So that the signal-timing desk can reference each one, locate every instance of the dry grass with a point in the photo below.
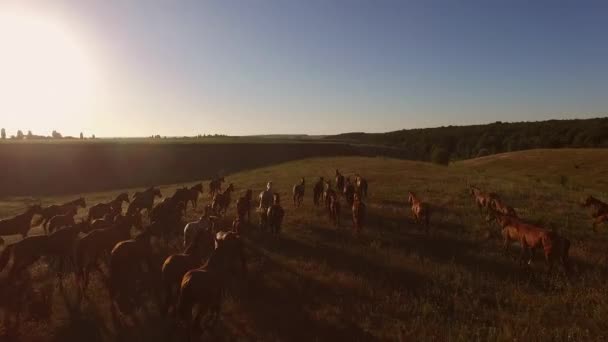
(392, 282)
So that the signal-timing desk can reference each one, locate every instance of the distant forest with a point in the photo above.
(443, 144)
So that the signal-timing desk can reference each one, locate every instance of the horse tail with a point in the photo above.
(5, 256)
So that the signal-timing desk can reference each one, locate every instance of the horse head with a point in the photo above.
(81, 202)
(157, 193)
(276, 198)
(411, 197)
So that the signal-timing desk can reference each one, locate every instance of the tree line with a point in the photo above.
(443, 144)
(31, 136)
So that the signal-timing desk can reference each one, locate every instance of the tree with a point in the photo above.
(3, 134)
(19, 134)
(30, 135)
(81, 136)
(93, 136)
(56, 135)
(440, 156)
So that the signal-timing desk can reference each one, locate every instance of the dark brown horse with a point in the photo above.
(243, 206)
(298, 193)
(60, 247)
(359, 213)
(339, 180)
(143, 200)
(275, 215)
(130, 262)
(114, 207)
(23, 253)
(192, 195)
(334, 210)
(349, 192)
(61, 209)
(19, 224)
(599, 220)
(64, 220)
(483, 199)
(203, 287)
(92, 246)
(176, 265)
(598, 208)
(221, 201)
(317, 191)
(168, 211)
(215, 186)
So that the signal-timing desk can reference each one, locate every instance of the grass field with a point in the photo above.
(393, 282)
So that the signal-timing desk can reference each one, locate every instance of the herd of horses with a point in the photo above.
(212, 260)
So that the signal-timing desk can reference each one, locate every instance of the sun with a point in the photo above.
(47, 79)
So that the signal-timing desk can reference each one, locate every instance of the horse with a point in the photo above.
(176, 265)
(361, 186)
(339, 180)
(221, 201)
(192, 195)
(266, 198)
(62, 209)
(21, 223)
(61, 244)
(99, 241)
(599, 208)
(532, 237)
(126, 271)
(334, 210)
(599, 220)
(143, 200)
(203, 286)
(59, 221)
(275, 215)
(298, 193)
(327, 193)
(215, 186)
(168, 210)
(359, 213)
(114, 207)
(206, 222)
(243, 206)
(420, 210)
(482, 199)
(24, 253)
(501, 207)
(349, 191)
(317, 191)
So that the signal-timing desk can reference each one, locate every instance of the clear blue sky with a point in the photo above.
(322, 67)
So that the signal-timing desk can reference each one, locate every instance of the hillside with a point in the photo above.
(392, 282)
(463, 142)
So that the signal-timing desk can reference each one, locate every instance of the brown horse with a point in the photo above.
(215, 186)
(599, 220)
(298, 193)
(203, 286)
(275, 215)
(483, 199)
(101, 241)
(114, 207)
(168, 210)
(598, 207)
(221, 201)
(361, 186)
(349, 192)
(176, 265)
(334, 210)
(19, 224)
(327, 193)
(317, 191)
(532, 237)
(143, 200)
(23, 253)
(127, 274)
(59, 221)
(192, 195)
(501, 207)
(359, 213)
(339, 180)
(61, 209)
(420, 210)
(243, 206)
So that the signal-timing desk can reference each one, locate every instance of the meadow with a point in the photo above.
(317, 282)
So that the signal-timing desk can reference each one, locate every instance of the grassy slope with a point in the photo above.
(322, 283)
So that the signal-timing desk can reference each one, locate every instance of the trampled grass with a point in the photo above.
(321, 283)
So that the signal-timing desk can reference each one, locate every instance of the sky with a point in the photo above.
(137, 68)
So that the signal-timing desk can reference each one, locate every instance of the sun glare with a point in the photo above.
(46, 77)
